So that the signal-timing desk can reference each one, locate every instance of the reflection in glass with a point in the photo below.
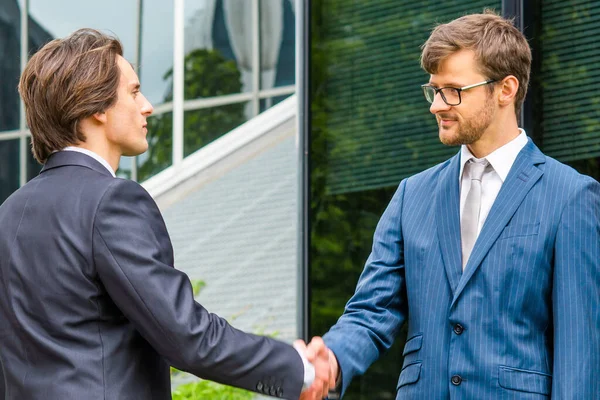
(205, 125)
(277, 43)
(226, 27)
(587, 166)
(9, 167)
(222, 28)
(124, 170)
(271, 101)
(61, 17)
(156, 50)
(209, 74)
(160, 146)
(10, 67)
(568, 79)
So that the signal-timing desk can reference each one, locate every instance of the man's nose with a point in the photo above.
(147, 108)
(438, 104)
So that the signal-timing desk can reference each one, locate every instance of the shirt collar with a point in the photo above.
(93, 155)
(501, 159)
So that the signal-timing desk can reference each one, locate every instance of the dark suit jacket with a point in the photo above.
(92, 308)
(521, 322)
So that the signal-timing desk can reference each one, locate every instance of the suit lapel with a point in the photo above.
(448, 220)
(521, 178)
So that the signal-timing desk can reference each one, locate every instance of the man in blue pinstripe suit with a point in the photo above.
(492, 257)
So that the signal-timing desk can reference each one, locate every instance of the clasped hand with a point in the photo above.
(326, 368)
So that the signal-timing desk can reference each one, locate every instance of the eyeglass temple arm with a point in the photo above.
(477, 84)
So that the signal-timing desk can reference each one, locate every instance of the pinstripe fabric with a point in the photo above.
(528, 300)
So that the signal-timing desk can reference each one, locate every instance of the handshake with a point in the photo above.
(326, 368)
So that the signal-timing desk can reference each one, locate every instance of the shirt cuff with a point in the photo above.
(309, 371)
(336, 392)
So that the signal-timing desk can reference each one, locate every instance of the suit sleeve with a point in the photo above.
(373, 316)
(134, 261)
(576, 297)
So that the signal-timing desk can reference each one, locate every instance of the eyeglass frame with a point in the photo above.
(458, 90)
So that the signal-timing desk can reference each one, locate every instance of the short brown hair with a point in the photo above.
(500, 48)
(66, 81)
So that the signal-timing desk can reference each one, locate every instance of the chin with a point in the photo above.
(450, 138)
(136, 150)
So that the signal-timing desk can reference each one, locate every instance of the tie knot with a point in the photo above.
(477, 168)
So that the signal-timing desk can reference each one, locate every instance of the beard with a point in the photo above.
(467, 131)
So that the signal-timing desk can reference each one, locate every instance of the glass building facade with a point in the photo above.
(207, 66)
(368, 126)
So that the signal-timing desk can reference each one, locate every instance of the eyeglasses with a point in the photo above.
(450, 95)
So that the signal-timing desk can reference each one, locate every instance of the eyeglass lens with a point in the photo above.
(450, 95)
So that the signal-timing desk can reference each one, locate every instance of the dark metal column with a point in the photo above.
(526, 14)
(303, 96)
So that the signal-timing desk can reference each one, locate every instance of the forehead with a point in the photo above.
(128, 75)
(459, 68)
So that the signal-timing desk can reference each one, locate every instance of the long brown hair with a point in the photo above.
(66, 81)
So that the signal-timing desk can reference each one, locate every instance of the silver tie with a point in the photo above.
(470, 217)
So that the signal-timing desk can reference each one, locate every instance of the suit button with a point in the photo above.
(259, 386)
(279, 392)
(458, 329)
(456, 380)
(272, 391)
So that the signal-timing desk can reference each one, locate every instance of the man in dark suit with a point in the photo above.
(492, 257)
(90, 304)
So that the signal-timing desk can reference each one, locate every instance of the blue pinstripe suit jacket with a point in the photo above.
(521, 322)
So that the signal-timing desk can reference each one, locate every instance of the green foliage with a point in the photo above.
(201, 390)
(197, 286)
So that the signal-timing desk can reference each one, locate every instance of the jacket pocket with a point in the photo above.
(413, 344)
(524, 380)
(409, 374)
(515, 230)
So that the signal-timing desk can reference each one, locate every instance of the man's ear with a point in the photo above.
(508, 90)
(100, 117)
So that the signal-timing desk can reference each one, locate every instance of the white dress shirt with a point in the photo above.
(501, 160)
(93, 155)
(309, 370)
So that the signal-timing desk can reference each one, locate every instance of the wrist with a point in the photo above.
(334, 367)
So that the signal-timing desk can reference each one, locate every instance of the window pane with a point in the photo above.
(10, 66)
(218, 47)
(271, 101)
(59, 18)
(203, 126)
(160, 146)
(9, 167)
(124, 170)
(277, 43)
(370, 127)
(570, 59)
(156, 64)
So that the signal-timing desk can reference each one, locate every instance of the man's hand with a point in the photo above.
(325, 373)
